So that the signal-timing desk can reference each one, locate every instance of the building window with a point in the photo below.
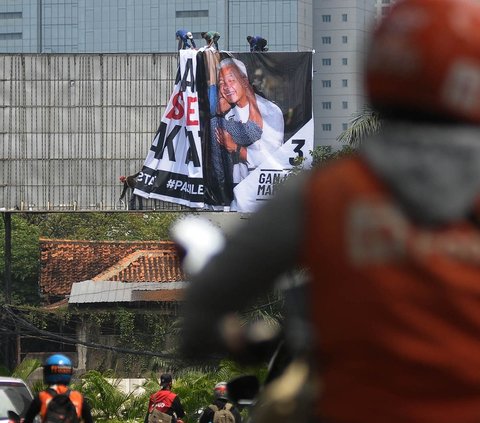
(326, 40)
(344, 126)
(326, 126)
(344, 82)
(344, 17)
(326, 83)
(326, 105)
(344, 104)
(326, 18)
(191, 14)
(326, 62)
(344, 61)
(10, 36)
(344, 39)
(11, 15)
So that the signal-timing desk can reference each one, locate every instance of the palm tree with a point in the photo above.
(363, 124)
(108, 401)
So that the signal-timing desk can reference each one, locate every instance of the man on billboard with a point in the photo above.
(260, 131)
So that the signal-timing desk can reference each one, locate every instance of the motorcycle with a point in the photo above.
(288, 392)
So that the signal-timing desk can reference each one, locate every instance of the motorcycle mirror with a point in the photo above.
(197, 241)
(243, 389)
(13, 417)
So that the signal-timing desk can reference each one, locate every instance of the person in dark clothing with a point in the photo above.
(211, 37)
(220, 401)
(57, 372)
(165, 400)
(257, 43)
(388, 235)
(129, 182)
(185, 39)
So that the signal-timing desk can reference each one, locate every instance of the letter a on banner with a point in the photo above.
(172, 170)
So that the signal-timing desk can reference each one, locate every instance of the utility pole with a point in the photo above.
(7, 220)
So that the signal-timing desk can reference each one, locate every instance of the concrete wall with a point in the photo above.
(71, 124)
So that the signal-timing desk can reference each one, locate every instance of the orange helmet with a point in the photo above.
(424, 59)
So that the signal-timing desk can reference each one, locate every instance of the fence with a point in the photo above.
(71, 124)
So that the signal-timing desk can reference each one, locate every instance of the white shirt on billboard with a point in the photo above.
(270, 141)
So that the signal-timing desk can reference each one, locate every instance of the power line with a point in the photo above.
(52, 336)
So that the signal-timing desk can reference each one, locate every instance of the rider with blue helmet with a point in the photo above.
(57, 374)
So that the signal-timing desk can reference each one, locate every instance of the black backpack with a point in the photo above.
(60, 409)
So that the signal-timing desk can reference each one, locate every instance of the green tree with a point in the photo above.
(106, 226)
(363, 124)
(323, 153)
(25, 260)
(108, 401)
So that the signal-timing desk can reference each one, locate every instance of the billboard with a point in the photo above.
(232, 130)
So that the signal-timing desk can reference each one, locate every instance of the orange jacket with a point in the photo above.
(396, 306)
(75, 396)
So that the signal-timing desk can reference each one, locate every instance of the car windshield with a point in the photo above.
(14, 397)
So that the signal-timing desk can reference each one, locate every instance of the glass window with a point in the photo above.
(344, 126)
(10, 36)
(326, 62)
(344, 104)
(344, 82)
(326, 40)
(326, 83)
(344, 17)
(191, 14)
(327, 126)
(14, 396)
(326, 105)
(11, 15)
(326, 18)
(344, 61)
(344, 39)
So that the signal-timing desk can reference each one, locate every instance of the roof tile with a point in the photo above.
(64, 262)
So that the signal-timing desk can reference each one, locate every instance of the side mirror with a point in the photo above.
(197, 241)
(243, 389)
(13, 417)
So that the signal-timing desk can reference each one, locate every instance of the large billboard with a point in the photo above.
(232, 130)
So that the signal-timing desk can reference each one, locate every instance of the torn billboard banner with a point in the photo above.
(232, 130)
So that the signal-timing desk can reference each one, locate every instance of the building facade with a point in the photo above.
(383, 6)
(335, 29)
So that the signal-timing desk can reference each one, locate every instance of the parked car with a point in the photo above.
(15, 396)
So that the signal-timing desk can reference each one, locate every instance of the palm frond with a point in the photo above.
(26, 368)
(363, 124)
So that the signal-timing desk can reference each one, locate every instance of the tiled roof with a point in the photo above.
(144, 266)
(64, 262)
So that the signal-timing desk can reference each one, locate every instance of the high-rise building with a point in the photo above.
(383, 6)
(335, 29)
(340, 40)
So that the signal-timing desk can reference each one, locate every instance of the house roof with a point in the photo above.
(115, 292)
(64, 262)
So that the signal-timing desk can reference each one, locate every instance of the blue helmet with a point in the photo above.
(57, 369)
